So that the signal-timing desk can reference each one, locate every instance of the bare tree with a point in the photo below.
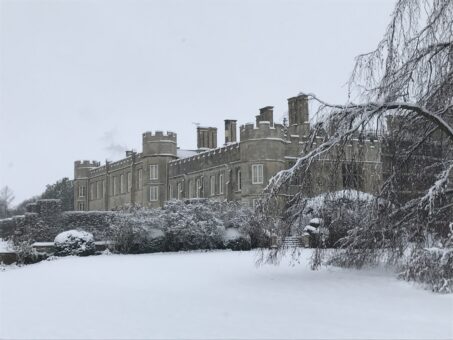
(403, 90)
(6, 198)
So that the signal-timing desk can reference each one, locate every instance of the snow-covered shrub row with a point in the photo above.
(180, 225)
(184, 225)
(33, 227)
(74, 242)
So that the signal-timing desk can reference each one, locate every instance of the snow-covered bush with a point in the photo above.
(26, 254)
(236, 240)
(334, 213)
(432, 267)
(74, 242)
(192, 225)
(138, 239)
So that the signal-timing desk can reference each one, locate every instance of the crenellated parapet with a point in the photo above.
(204, 160)
(83, 168)
(263, 130)
(159, 143)
(158, 135)
(358, 149)
(86, 164)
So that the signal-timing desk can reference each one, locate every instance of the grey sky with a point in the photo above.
(83, 79)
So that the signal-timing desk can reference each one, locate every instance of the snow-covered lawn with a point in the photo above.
(212, 295)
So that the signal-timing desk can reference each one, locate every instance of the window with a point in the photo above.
(170, 191)
(179, 190)
(212, 185)
(140, 179)
(99, 189)
(191, 189)
(153, 171)
(221, 184)
(81, 205)
(153, 193)
(103, 188)
(129, 181)
(199, 188)
(115, 186)
(121, 183)
(92, 195)
(239, 179)
(257, 174)
(82, 191)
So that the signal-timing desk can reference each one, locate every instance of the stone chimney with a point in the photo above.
(266, 115)
(230, 131)
(298, 110)
(206, 137)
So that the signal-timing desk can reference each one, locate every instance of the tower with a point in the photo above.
(159, 148)
(81, 183)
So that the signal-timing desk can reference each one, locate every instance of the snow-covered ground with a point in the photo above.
(212, 295)
(5, 246)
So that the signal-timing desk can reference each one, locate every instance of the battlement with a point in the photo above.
(159, 143)
(159, 135)
(210, 158)
(125, 162)
(86, 164)
(263, 130)
(360, 149)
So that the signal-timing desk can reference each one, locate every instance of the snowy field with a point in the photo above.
(212, 295)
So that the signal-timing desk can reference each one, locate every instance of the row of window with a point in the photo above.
(216, 184)
(123, 184)
(118, 183)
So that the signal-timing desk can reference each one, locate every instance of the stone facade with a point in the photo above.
(238, 170)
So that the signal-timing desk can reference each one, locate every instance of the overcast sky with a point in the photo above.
(83, 79)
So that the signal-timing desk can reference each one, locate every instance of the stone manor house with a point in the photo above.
(238, 170)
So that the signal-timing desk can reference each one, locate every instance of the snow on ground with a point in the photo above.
(212, 295)
(5, 246)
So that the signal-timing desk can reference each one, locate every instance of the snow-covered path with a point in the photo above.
(212, 295)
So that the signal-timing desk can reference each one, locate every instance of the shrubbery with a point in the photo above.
(179, 225)
(74, 242)
(184, 225)
(338, 212)
(236, 240)
(432, 267)
(129, 239)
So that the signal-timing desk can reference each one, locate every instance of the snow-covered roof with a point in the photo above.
(185, 153)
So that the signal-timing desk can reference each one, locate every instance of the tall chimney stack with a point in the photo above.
(206, 137)
(266, 115)
(230, 131)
